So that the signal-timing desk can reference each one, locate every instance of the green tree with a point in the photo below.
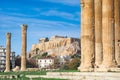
(56, 63)
(45, 54)
(74, 64)
(32, 63)
(77, 55)
(64, 66)
(46, 39)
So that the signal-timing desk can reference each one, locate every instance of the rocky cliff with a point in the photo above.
(56, 46)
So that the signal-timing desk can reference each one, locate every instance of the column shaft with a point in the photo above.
(108, 34)
(82, 31)
(117, 29)
(8, 51)
(87, 36)
(24, 46)
(98, 32)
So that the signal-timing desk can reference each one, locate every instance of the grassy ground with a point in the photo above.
(22, 75)
(24, 78)
(35, 72)
(46, 79)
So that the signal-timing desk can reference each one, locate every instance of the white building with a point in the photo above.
(3, 58)
(45, 63)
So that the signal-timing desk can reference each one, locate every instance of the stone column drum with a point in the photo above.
(108, 35)
(8, 51)
(98, 32)
(87, 36)
(24, 46)
(82, 28)
(117, 29)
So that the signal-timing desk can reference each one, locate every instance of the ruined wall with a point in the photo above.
(57, 45)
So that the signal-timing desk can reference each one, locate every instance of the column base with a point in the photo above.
(97, 65)
(7, 71)
(107, 69)
(23, 69)
(85, 69)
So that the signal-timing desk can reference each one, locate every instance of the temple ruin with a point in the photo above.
(100, 28)
(100, 37)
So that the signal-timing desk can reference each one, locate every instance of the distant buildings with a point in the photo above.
(3, 58)
(45, 63)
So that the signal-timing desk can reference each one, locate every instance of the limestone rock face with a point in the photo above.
(56, 46)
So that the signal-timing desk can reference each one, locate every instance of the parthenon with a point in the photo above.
(100, 34)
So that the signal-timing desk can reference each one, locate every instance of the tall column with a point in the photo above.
(98, 32)
(24, 46)
(82, 30)
(108, 34)
(117, 29)
(87, 36)
(8, 51)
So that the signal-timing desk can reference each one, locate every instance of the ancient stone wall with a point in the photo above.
(56, 45)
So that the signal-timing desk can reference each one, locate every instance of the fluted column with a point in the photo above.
(108, 34)
(98, 32)
(24, 46)
(87, 36)
(117, 29)
(8, 51)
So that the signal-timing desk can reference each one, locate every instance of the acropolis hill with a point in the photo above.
(56, 46)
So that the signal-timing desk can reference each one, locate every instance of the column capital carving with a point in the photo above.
(24, 26)
(8, 35)
(82, 3)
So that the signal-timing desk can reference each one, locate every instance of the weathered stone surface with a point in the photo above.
(8, 51)
(117, 29)
(56, 46)
(98, 32)
(87, 36)
(108, 34)
(16, 69)
(24, 47)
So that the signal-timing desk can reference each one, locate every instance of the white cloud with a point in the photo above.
(65, 15)
(66, 2)
(74, 16)
(12, 21)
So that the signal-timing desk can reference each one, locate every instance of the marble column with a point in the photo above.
(98, 32)
(117, 29)
(8, 51)
(108, 35)
(87, 36)
(24, 47)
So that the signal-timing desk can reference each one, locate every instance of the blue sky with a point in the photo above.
(45, 18)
